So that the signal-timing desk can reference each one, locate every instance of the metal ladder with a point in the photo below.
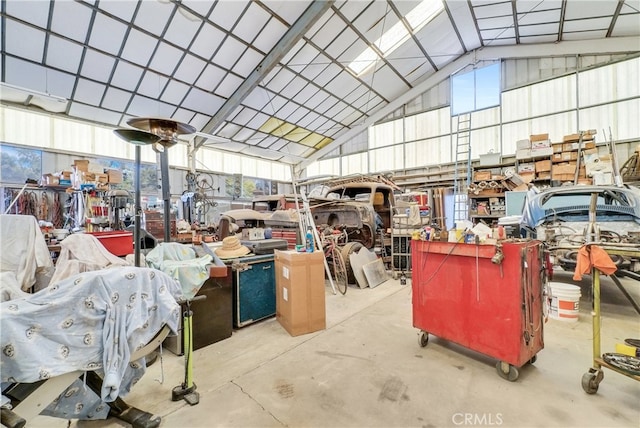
(461, 180)
(305, 219)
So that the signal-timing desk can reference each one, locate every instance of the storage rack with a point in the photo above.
(401, 245)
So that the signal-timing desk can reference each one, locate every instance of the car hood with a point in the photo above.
(571, 204)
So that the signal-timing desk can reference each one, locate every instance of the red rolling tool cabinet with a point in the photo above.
(487, 298)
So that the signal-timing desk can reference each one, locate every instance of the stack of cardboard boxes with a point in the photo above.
(83, 172)
(541, 160)
(565, 158)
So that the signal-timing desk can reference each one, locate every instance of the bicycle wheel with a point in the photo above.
(339, 270)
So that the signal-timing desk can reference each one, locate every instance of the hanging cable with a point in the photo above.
(57, 212)
(43, 212)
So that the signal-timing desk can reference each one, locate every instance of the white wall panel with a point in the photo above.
(386, 134)
(627, 80)
(324, 167)
(486, 117)
(178, 156)
(433, 151)
(29, 129)
(106, 144)
(280, 172)
(209, 159)
(72, 136)
(621, 118)
(515, 104)
(386, 159)
(354, 164)
(552, 96)
(596, 86)
(250, 167)
(484, 140)
(428, 124)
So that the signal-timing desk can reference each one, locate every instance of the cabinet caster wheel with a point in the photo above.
(423, 338)
(533, 359)
(591, 381)
(507, 371)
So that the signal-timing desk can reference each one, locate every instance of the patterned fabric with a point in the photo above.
(82, 252)
(180, 262)
(23, 249)
(90, 321)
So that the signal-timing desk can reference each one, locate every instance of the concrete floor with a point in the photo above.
(367, 370)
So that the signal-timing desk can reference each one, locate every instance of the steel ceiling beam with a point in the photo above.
(617, 45)
(310, 16)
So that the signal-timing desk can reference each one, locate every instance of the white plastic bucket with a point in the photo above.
(564, 303)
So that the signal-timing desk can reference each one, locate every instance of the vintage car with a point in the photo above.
(560, 217)
(233, 221)
(270, 203)
(362, 205)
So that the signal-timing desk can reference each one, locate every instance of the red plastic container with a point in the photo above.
(460, 295)
(117, 242)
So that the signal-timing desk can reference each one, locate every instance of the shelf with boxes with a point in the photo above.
(542, 162)
(487, 194)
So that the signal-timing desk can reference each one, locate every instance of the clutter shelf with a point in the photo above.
(401, 245)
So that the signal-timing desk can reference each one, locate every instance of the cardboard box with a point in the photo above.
(540, 144)
(115, 176)
(49, 180)
(526, 167)
(543, 165)
(81, 165)
(89, 176)
(569, 156)
(585, 181)
(541, 152)
(582, 172)
(557, 147)
(482, 175)
(102, 178)
(523, 154)
(570, 137)
(96, 168)
(564, 169)
(602, 178)
(576, 137)
(65, 175)
(523, 144)
(300, 294)
(567, 147)
(545, 175)
(562, 177)
(556, 157)
(589, 145)
(538, 137)
(253, 234)
(527, 177)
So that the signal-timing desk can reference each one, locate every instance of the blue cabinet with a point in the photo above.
(254, 289)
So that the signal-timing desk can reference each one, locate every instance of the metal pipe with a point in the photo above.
(138, 208)
(166, 194)
(595, 306)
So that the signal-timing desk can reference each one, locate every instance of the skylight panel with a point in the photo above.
(420, 16)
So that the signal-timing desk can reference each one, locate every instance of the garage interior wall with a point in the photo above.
(561, 101)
